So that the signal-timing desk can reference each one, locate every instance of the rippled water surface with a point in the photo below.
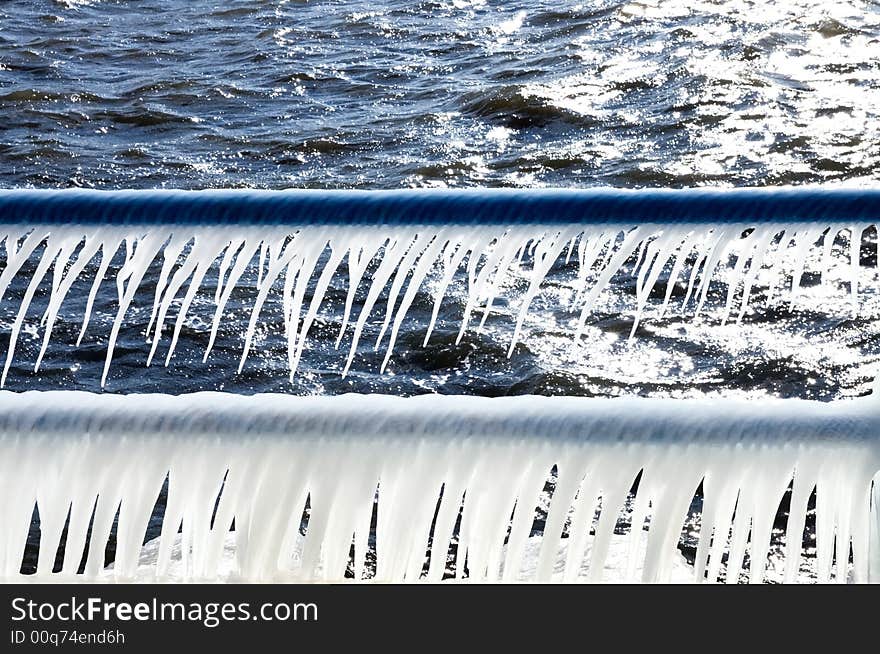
(390, 94)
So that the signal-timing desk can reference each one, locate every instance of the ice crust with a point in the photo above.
(82, 457)
(395, 261)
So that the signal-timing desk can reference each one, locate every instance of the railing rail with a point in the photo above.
(439, 207)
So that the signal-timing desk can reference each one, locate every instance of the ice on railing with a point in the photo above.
(303, 261)
(437, 474)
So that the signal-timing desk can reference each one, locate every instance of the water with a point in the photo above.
(400, 94)
(391, 94)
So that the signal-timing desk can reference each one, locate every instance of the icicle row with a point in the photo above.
(400, 259)
(432, 462)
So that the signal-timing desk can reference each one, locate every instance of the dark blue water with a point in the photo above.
(412, 93)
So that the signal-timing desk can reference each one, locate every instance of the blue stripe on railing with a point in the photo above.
(438, 207)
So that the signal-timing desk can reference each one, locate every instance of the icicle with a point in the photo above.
(108, 248)
(751, 242)
(276, 265)
(307, 263)
(67, 248)
(716, 252)
(234, 248)
(418, 275)
(582, 521)
(681, 256)
(194, 266)
(498, 277)
(17, 255)
(48, 258)
(244, 257)
(478, 282)
(359, 257)
(336, 256)
(61, 288)
(761, 247)
(855, 245)
(531, 485)
(170, 253)
(413, 256)
(147, 248)
(703, 250)
(658, 255)
(802, 487)
(394, 253)
(546, 256)
(570, 247)
(204, 261)
(451, 259)
(588, 255)
(571, 472)
(612, 265)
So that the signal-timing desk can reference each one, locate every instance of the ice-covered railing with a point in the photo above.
(388, 488)
(411, 480)
(388, 242)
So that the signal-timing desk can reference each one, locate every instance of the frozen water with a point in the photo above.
(400, 259)
(424, 464)
(615, 562)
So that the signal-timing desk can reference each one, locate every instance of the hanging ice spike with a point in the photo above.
(298, 237)
(84, 459)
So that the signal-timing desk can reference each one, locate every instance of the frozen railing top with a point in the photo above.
(390, 242)
(505, 207)
(395, 476)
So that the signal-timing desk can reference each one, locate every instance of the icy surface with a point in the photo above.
(438, 471)
(615, 562)
(388, 265)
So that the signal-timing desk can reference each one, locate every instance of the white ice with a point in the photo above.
(615, 562)
(82, 458)
(400, 259)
